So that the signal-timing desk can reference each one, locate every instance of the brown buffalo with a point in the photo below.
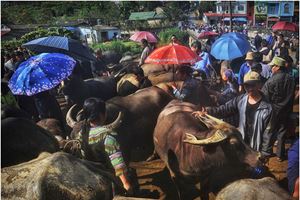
(160, 73)
(206, 150)
(200, 94)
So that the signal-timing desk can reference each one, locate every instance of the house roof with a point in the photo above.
(101, 27)
(145, 15)
(224, 15)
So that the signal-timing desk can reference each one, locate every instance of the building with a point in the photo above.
(222, 14)
(98, 33)
(254, 12)
(273, 11)
(152, 18)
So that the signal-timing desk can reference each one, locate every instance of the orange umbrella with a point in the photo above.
(172, 54)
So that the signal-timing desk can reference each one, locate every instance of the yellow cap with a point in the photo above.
(277, 61)
(251, 77)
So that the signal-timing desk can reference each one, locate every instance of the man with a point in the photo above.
(279, 43)
(99, 67)
(184, 93)
(204, 64)
(279, 90)
(19, 58)
(266, 70)
(146, 51)
(271, 40)
(257, 40)
(245, 68)
(174, 40)
(254, 113)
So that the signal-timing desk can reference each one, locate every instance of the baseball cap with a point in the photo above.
(251, 77)
(277, 61)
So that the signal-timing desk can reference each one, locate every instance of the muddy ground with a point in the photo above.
(155, 182)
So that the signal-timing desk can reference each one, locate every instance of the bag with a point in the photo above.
(268, 58)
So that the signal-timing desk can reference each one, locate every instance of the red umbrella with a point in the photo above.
(285, 26)
(207, 34)
(138, 36)
(172, 54)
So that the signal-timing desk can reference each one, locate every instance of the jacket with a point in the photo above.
(279, 91)
(261, 124)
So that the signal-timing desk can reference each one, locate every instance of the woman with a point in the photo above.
(99, 142)
(230, 88)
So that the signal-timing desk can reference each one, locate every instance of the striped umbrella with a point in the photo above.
(58, 44)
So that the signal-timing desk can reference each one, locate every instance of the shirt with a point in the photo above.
(145, 54)
(243, 70)
(111, 146)
(250, 115)
(202, 64)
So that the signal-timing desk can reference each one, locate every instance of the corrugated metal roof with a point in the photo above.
(101, 27)
(145, 15)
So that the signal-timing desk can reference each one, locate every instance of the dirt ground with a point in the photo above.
(155, 182)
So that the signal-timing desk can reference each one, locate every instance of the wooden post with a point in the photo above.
(230, 11)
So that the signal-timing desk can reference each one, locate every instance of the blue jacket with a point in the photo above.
(243, 70)
(293, 165)
(261, 136)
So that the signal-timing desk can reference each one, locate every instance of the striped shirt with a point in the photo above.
(111, 147)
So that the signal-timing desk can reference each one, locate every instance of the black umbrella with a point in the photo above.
(58, 44)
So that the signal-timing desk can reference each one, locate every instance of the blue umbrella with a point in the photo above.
(230, 46)
(40, 73)
(58, 44)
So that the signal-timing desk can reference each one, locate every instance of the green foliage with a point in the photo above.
(119, 46)
(165, 36)
(13, 44)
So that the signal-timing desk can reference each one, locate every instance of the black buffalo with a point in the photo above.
(22, 140)
(140, 111)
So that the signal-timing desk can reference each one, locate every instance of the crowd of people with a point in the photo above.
(258, 99)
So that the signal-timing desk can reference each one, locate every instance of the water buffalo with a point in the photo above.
(22, 140)
(199, 95)
(77, 90)
(10, 111)
(160, 73)
(206, 150)
(57, 176)
(140, 111)
(265, 188)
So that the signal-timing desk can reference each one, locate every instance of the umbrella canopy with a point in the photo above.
(230, 46)
(285, 26)
(138, 36)
(40, 73)
(58, 44)
(207, 34)
(172, 54)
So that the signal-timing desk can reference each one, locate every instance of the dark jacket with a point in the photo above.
(261, 119)
(279, 90)
(48, 107)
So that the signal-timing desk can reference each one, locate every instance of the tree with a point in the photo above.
(206, 6)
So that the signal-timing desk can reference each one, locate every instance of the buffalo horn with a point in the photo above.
(218, 136)
(69, 119)
(116, 123)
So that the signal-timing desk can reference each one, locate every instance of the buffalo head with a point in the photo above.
(228, 138)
